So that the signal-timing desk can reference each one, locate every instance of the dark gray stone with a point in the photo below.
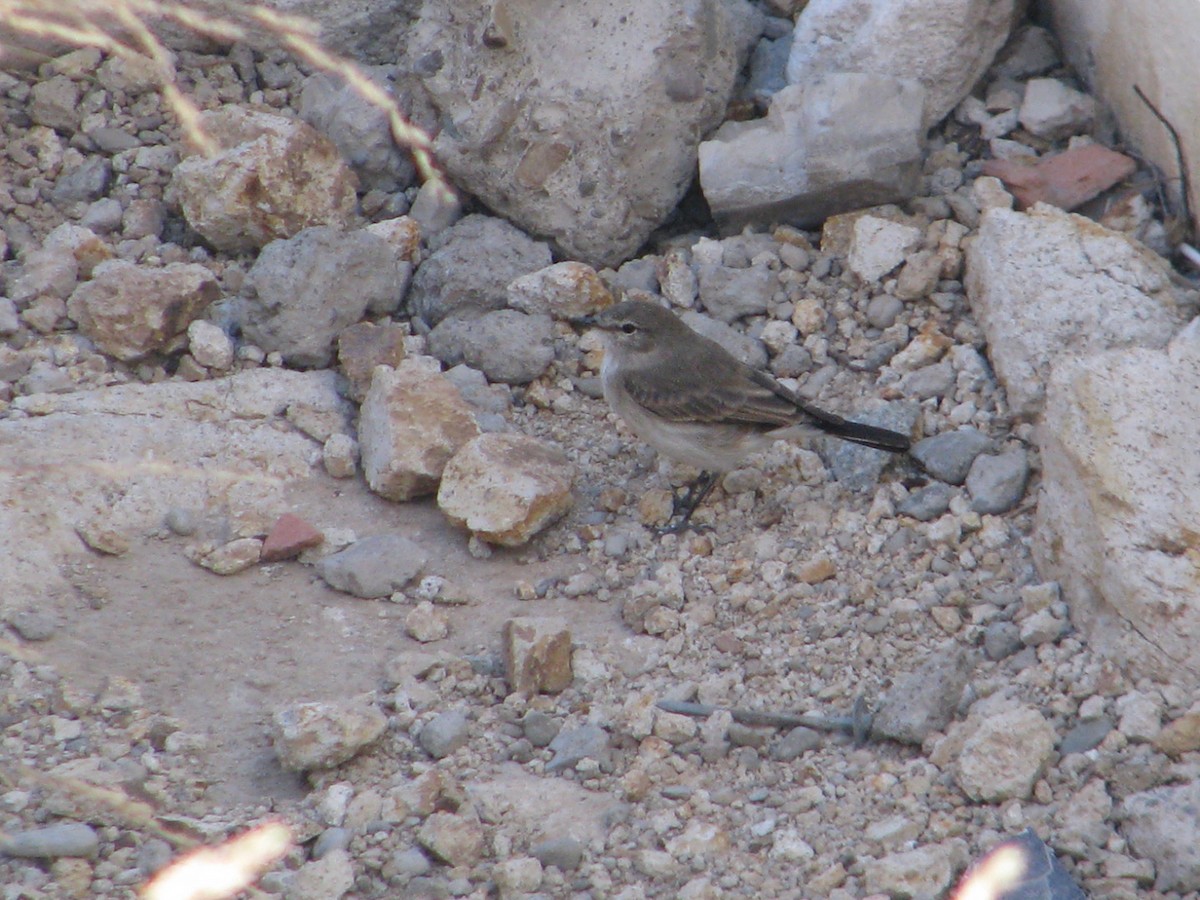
(793, 362)
(474, 387)
(573, 744)
(768, 69)
(331, 839)
(731, 294)
(88, 181)
(927, 503)
(308, 288)
(1086, 736)
(53, 841)
(444, 733)
(506, 345)
(540, 728)
(359, 129)
(1001, 640)
(997, 483)
(883, 311)
(113, 140)
(794, 744)
(374, 567)
(948, 456)
(924, 701)
(103, 216)
(471, 268)
(565, 853)
(857, 467)
(639, 274)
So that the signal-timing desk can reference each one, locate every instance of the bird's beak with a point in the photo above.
(588, 321)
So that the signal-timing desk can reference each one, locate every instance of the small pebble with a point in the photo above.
(63, 839)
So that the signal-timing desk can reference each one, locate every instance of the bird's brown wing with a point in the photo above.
(727, 392)
(732, 393)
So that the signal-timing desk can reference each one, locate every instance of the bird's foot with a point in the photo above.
(683, 507)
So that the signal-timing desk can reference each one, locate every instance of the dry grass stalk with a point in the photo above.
(119, 28)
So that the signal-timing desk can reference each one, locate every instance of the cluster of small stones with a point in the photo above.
(799, 595)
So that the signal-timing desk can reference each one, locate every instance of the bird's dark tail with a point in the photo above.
(858, 433)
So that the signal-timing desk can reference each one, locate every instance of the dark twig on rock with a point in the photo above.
(1180, 160)
(857, 723)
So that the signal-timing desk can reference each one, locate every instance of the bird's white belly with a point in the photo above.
(716, 448)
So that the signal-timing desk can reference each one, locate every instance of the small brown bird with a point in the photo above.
(691, 400)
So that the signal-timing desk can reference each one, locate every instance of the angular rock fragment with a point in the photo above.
(412, 422)
(301, 297)
(322, 735)
(564, 290)
(130, 310)
(505, 488)
(1047, 285)
(537, 654)
(273, 177)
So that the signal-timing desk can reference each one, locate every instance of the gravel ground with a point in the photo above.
(796, 595)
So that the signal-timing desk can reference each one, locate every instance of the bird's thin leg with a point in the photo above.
(681, 513)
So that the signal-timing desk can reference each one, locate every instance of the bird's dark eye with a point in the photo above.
(629, 328)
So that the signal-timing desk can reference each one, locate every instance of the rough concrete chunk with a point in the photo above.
(1118, 518)
(1048, 284)
(946, 45)
(840, 142)
(591, 147)
(412, 421)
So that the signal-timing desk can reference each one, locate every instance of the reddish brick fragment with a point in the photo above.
(1066, 180)
(289, 537)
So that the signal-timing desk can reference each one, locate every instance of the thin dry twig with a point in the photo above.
(1180, 160)
(120, 28)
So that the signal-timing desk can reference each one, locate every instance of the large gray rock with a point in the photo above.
(1047, 285)
(359, 129)
(504, 344)
(374, 567)
(369, 31)
(582, 124)
(944, 44)
(470, 271)
(306, 289)
(223, 446)
(1117, 520)
(836, 143)
(272, 178)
